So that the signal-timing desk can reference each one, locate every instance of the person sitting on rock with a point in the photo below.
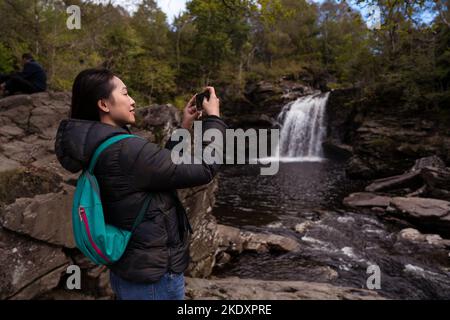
(32, 78)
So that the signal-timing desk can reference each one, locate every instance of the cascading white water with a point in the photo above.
(303, 128)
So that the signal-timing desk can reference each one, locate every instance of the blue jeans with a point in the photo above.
(169, 287)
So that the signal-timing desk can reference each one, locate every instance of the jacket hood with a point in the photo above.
(76, 141)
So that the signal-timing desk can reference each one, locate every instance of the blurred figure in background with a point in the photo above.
(30, 80)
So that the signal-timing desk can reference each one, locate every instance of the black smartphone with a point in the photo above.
(199, 99)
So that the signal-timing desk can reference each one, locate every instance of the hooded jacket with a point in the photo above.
(33, 72)
(126, 172)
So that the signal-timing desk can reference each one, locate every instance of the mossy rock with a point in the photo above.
(27, 182)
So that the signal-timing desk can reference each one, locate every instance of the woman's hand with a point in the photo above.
(190, 114)
(212, 106)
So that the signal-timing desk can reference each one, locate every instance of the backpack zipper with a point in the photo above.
(83, 218)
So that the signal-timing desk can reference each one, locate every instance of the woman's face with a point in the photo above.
(121, 106)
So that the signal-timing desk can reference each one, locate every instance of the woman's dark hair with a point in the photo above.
(89, 86)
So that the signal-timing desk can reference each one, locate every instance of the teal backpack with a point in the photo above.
(102, 243)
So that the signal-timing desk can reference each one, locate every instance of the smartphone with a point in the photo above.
(199, 99)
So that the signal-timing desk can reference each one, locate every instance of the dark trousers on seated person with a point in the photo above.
(15, 83)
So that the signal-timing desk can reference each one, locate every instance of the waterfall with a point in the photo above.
(303, 128)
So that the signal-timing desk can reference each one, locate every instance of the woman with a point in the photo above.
(153, 265)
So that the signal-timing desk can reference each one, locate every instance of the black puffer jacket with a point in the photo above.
(126, 172)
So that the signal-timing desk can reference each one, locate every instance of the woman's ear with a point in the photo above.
(102, 105)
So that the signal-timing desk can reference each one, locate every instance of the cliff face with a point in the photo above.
(382, 140)
(36, 242)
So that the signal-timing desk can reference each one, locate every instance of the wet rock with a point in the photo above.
(234, 240)
(366, 199)
(428, 178)
(436, 182)
(422, 207)
(265, 242)
(250, 289)
(407, 179)
(416, 236)
(433, 214)
(230, 238)
(302, 227)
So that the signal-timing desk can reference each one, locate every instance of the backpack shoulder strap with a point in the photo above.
(142, 212)
(105, 144)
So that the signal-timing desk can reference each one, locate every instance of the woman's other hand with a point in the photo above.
(190, 114)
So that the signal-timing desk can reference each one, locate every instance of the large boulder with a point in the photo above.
(427, 178)
(36, 217)
(415, 235)
(366, 199)
(430, 213)
(235, 241)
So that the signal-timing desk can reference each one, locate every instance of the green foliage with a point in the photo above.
(404, 64)
(6, 59)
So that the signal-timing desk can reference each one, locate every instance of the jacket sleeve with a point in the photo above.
(170, 144)
(28, 71)
(154, 170)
